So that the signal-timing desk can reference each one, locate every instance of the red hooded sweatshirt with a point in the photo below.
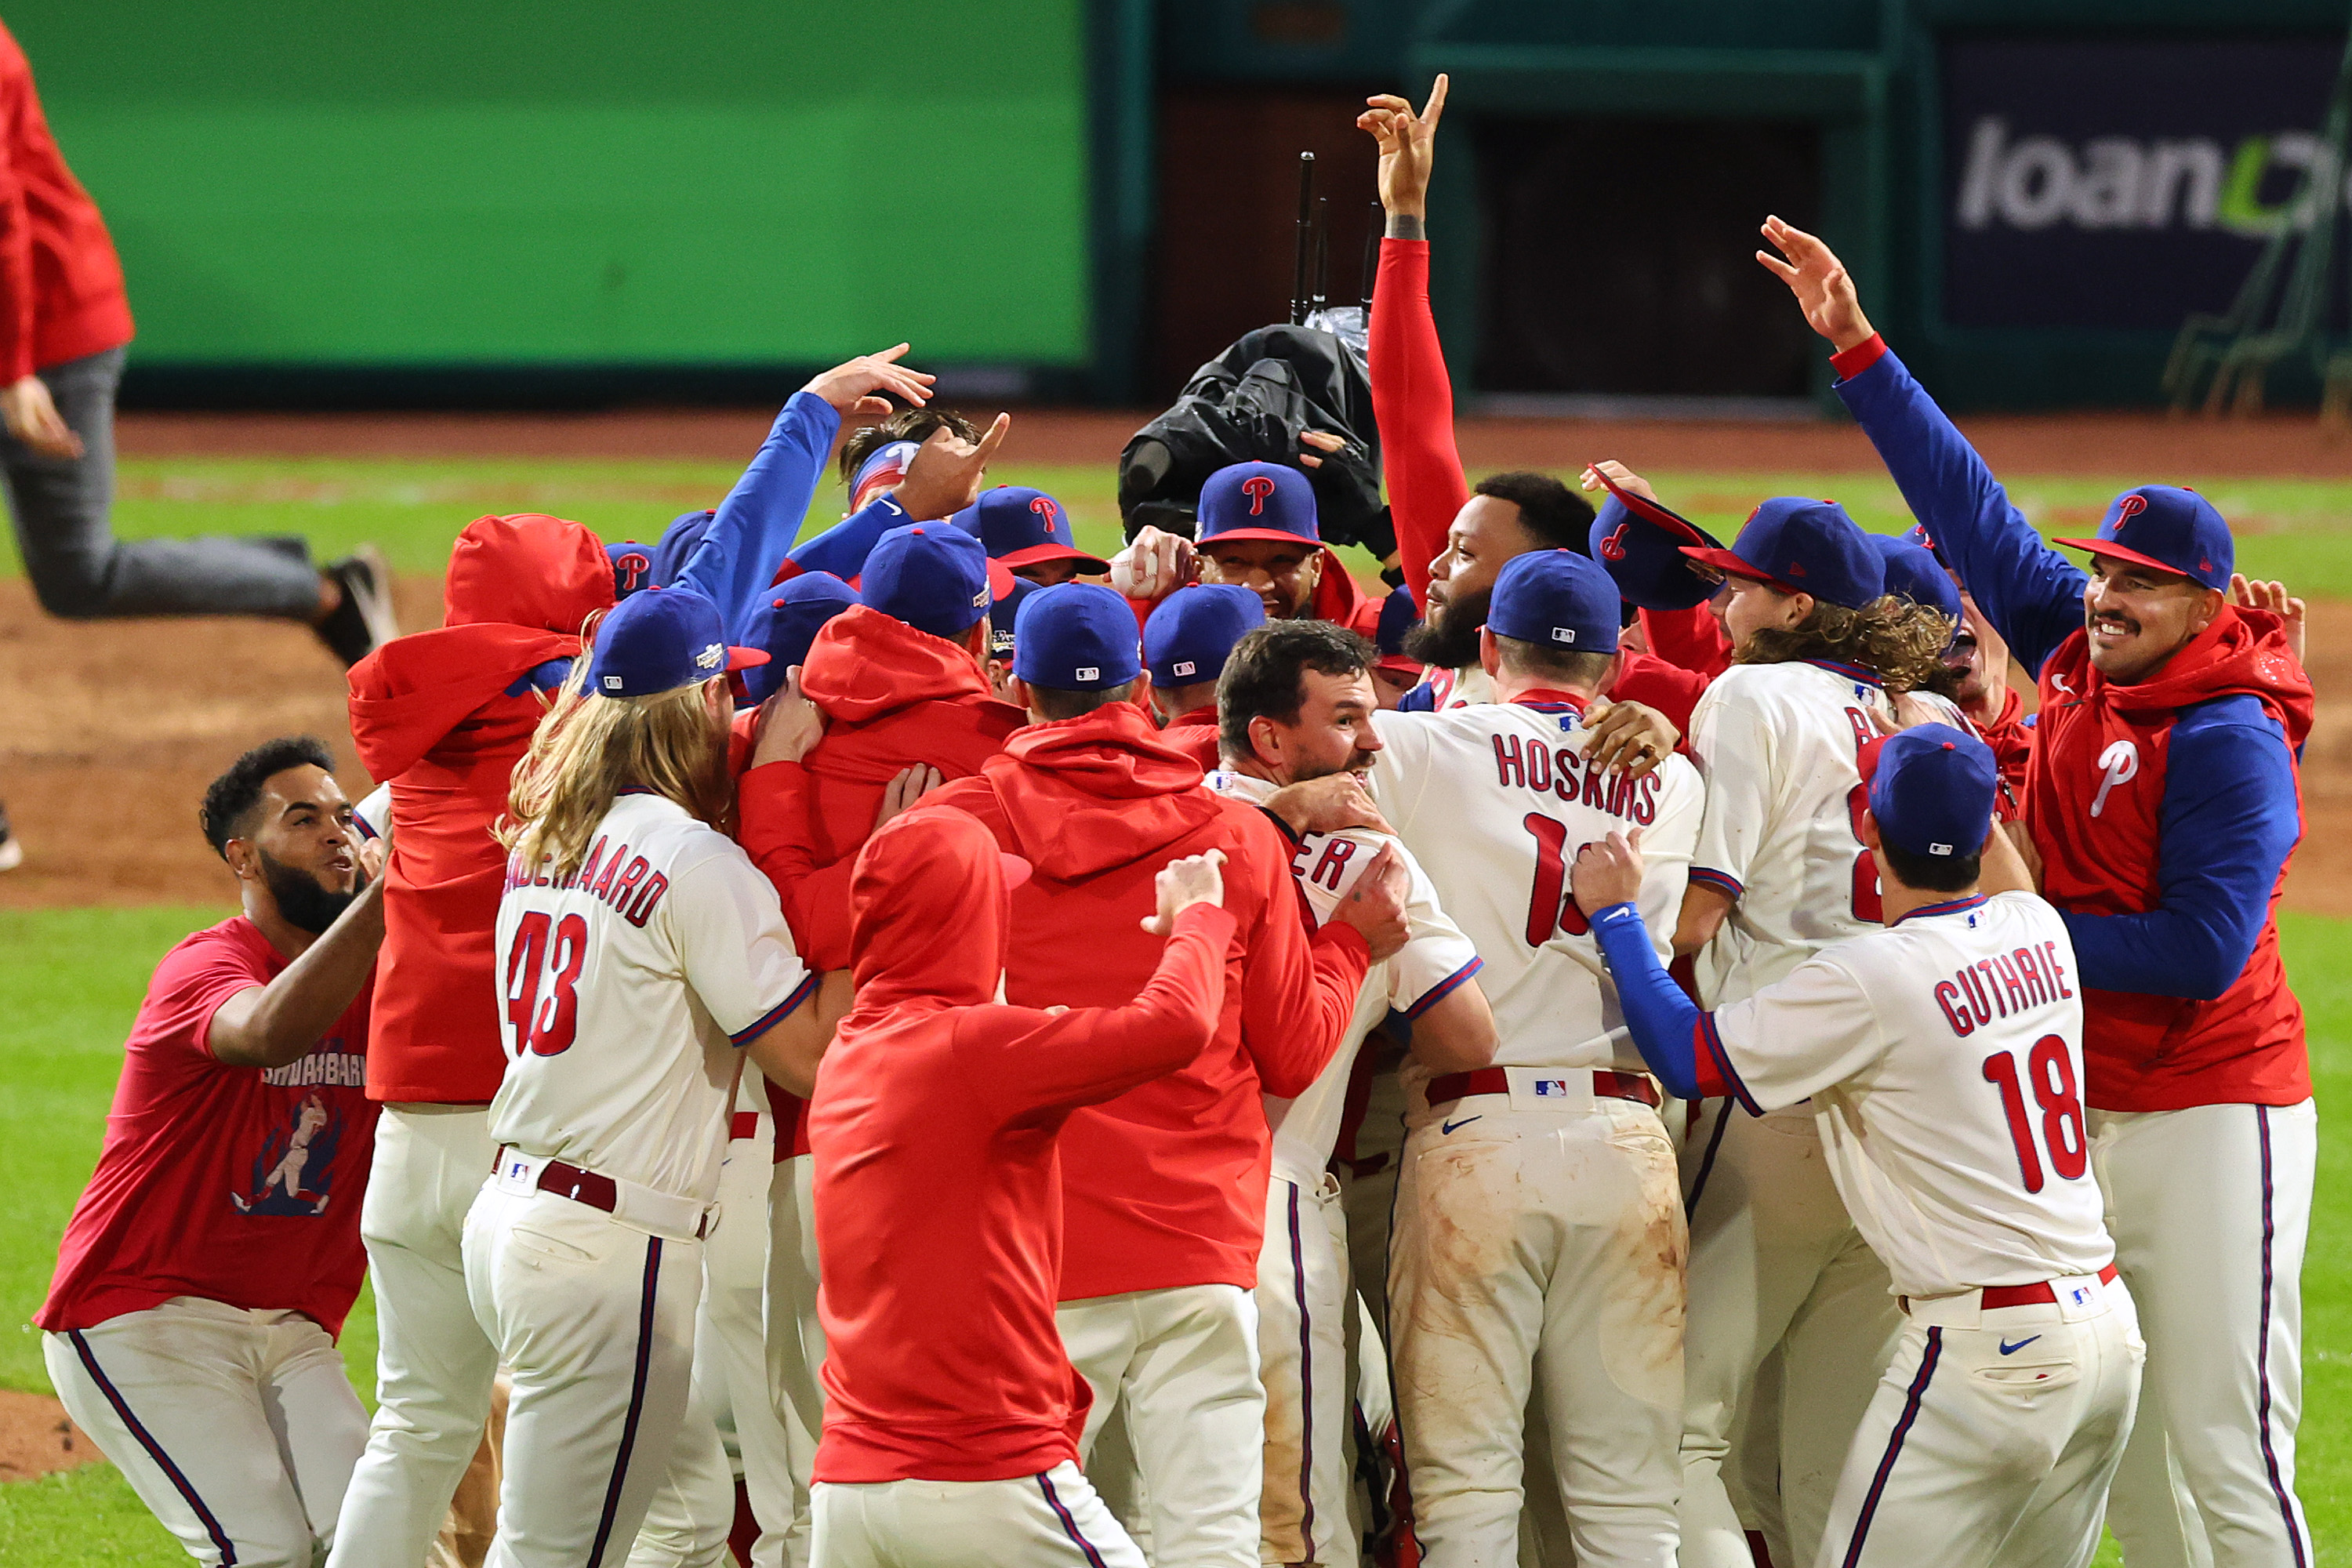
(938, 1214)
(2096, 799)
(1165, 1187)
(1195, 734)
(893, 696)
(431, 713)
(60, 285)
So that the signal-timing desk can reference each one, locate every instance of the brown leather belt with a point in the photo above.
(1606, 1084)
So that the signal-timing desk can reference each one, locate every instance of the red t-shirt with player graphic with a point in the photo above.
(236, 1184)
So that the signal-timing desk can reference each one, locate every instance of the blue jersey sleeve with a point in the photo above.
(761, 516)
(1663, 1020)
(2030, 593)
(2230, 819)
(842, 549)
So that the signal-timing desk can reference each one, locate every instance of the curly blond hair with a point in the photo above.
(1901, 642)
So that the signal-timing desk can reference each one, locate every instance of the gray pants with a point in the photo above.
(81, 572)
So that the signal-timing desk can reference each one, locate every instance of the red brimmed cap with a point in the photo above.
(1799, 545)
(1021, 527)
(1257, 501)
(2168, 528)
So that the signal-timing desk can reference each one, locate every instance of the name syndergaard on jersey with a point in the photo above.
(626, 882)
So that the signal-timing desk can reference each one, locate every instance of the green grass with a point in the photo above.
(70, 981)
(2298, 530)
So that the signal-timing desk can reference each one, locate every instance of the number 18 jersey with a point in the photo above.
(627, 987)
(1944, 1058)
(1495, 800)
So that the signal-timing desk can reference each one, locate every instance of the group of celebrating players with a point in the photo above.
(1629, 1050)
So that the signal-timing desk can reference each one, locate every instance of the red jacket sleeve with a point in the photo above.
(1413, 404)
(1668, 687)
(1049, 1063)
(1690, 638)
(17, 301)
(1297, 991)
(772, 823)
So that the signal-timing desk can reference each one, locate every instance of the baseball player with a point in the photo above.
(1943, 1057)
(952, 1413)
(1185, 644)
(638, 951)
(442, 717)
(1297, 703)
(1779, 873)
(210, 1262)
(1028, 533)
(1164, 1187)
(1538, 1241)
(2161, 797)
(1257, 529)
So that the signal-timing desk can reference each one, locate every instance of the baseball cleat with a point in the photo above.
(364, 622)
(12, 848)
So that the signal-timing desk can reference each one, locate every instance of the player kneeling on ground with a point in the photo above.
(638, 947)
(212, 1260)
(952, 1413)
(1995, 1432)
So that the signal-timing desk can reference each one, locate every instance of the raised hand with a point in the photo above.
(1375, 904)
(1607, 871)
(946, 472)
(851, 385)
(1623, 478)
(789, 725)
(1408, 147)
(910, 786)
(1194, 879)
(1155, 566)
(2249, 594)
(1823, 289)
(1629, 737)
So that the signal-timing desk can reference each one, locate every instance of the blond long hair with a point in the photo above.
(589, 747)
(1903, 642)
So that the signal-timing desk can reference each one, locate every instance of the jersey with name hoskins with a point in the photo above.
(1943, 1055)
(1436, 958)
(627, 986)
(1495, 801)
(1780, 747)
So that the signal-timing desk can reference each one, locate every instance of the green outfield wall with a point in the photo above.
(526, 183)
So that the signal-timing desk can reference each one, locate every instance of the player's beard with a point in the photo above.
(1451, 640)
(302, 902)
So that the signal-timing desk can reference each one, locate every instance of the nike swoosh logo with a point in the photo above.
(1450, 1126)
(2007, 1348)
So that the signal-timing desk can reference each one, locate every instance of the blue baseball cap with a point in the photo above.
(1003, 611)
(1257, 501)
(1076, 636)
(1913, 574)
(679, 542)
(931, 576)
(1931, 789)
(2170, 529)
(1557, 599)
(885, 469)
(659, 640)
(1398, 615)
(1021, 527)
(1641, 544)
(1193, 629)
(787, 624)
(1919, 536)
(633, 568)
(1799, 545)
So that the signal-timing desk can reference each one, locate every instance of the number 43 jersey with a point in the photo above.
(627, 988)
(1944, 1058)
(1494, 801)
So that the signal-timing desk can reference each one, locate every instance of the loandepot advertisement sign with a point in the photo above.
(2123, 184)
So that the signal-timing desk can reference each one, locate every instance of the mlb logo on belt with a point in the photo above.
(519, 1167)
(2082, 1294)
(1546, 1086)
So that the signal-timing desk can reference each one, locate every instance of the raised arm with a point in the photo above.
(942, 479)
(2032, 594)
(1413, 397)
(269, 1025)
(761, 516)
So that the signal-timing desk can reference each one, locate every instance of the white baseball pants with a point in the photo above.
(1774, 1262)
(1049, 1519)
(795, 1336)
(238, 1428)
(1993, 1435)
(2209, 1208)
(434, 1364)
(1538, 1247)
(688, 1522)
(1303, 1299)
(594, 1320)
(1181, 1366)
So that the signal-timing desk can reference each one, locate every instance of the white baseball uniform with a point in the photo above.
(1943, 1057)
(1774, 1257)
(626, 988)
(1304, 1294)
(1539, 1238)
